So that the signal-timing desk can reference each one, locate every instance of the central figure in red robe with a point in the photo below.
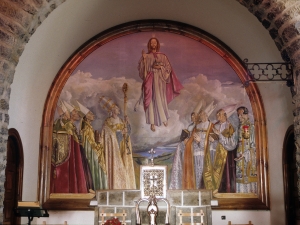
(160, 84)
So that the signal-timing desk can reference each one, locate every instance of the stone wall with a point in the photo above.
(18, 21)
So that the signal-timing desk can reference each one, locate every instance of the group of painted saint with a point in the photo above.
(217, 156)
(84, 159)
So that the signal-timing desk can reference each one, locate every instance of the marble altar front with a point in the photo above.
(185, 207)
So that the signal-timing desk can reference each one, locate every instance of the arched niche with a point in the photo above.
(226, 200)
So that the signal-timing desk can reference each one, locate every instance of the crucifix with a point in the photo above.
(152, 152)
(153, 183)
(153, 187)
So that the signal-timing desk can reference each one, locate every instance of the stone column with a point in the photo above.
(18, 21)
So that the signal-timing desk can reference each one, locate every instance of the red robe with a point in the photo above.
(69, 176)
(172, 88)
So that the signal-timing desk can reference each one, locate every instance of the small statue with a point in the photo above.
(152, 210)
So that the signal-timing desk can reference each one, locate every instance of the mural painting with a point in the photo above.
(153, 90)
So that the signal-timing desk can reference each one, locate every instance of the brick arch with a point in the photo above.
(279, 18)
(20, 18)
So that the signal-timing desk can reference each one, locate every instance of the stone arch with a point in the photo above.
(279, 18)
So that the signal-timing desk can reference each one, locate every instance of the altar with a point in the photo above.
(189, 203)
(154, 204)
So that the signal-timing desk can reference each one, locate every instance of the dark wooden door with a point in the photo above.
(290, 178)
(13, 173)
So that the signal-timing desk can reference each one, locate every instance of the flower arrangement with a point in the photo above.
(113, 221)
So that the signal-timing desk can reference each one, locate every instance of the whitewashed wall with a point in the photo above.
(76, 21)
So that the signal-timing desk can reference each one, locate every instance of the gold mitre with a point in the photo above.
(198, 107)
(229, 109)
(62, 109)
(84, 110)
(106, 103)
(210, 108)
(59, 109)
(70, 107)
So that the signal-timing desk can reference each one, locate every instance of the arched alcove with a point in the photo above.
(289, 177)
(228, 201)
(14, 176)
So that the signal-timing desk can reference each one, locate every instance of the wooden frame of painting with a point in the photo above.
(172, 36)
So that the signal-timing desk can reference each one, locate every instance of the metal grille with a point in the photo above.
(269, 72)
